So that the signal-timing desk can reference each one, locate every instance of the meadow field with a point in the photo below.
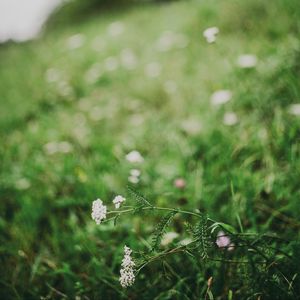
(199, 131)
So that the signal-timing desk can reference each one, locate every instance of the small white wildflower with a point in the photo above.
(220, 97)
(294, 109)
(98, 211)
(134, 157)
(111, 63)
(76, 41)
(118, 200)
(127, 277)
(153, 70)
(116, 28)
(210, 34)
(23, 184)
(185, 241)
(133, 179)
(168, 238)
(128, 59)
(247, 61)
(170, 87)
(191, 126)
(230, 119)
(135, 172)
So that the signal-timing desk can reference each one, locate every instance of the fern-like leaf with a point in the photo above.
(202, 237)
(161, 228)
(140, 199)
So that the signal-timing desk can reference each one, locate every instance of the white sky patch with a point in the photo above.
(22, 20)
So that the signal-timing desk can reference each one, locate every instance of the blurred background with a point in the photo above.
(195, 104)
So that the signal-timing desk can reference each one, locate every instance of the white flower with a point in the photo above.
(168, 238)
(185, 241)
(133, 179)
(127, 271)
(247, 61)
(116, 28)
(135, 172)
(118, 200)
(153, 70)
(211, 34)
(294, 109)
(76, 41)
(220, 97)
(98, 211)
(134, 157)
(230, 119)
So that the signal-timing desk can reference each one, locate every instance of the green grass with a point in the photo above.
(50, 247)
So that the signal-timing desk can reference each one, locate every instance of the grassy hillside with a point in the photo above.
(77, 100)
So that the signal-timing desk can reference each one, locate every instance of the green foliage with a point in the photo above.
(161, 229)
(68, 119)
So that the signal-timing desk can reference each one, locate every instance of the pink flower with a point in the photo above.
(223, 240)
(179, 183)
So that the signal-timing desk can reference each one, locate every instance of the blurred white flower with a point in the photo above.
(134, 157)
(210, 34)
(134, 176)
(230, 118)
(127, 276)
(186, 241)
(115, 28)
(220, 97)
(168, 238)
(111, 63)
(169, 40)
(75, 41)
(97, 113)
(118, 200)
(128, 59)
(98, 211)
(247, 61)
(294, 109)
(65, 147)
(192, 126)
(170, 87)
(23, 184)
(133, 179)
(135, 172)
(153, 70)
(53, 75)
(93, 74)
(98, 44)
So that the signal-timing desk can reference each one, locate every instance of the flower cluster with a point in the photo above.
(118, 200)
(223, 241)
(98, 211)
(210, 34)
(127, 277)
